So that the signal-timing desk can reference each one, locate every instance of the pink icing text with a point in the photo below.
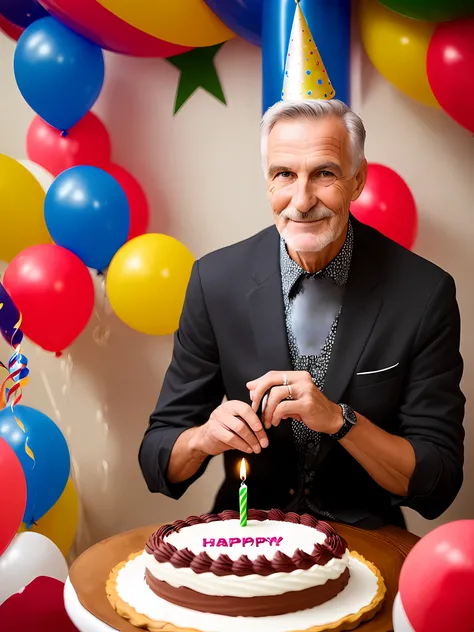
(230, 542)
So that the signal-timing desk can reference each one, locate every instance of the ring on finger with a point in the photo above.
(285, 379)
(290, 392)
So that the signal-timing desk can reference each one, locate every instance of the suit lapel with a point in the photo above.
(267, 310)
(360, 308)
(267, 315)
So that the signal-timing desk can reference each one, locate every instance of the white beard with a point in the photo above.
(305, 240)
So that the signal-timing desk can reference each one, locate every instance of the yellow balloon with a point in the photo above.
(398, 46)
(21, 209)
(59, 524)
(184, 22)
(147, 281)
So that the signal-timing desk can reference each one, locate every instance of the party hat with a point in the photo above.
(305, 74)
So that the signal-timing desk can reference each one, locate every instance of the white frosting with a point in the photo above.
(360, 591)
(294, 536)
(249, 585)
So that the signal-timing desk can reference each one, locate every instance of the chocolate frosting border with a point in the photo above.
(333, 547)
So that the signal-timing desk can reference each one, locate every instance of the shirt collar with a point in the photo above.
(337, 269)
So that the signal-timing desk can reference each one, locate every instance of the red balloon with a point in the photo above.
(90, 19)
(450, 64)
(437, 580)
(139, 209)
(54, 291)
(387, 204)
(10, 29)
(87, 143)
(12, 495)
(39, 607)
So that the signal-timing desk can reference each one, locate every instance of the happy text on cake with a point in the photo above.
(230, 542)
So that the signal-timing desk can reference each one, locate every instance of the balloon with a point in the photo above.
(22, 13)
(147, 281)
(91, 20)
(29, 556)
(431, 10)
(40, 607)
(243, 17)
(449, 64)
(12, 495)
(87, 143)
(9, 314)
(188, 22)
(54, 291)
(59, 524)
(10, 29)
(139, 209)
(44, 178)
(59, 73)
(397, 47)
(21, 209)
(87, 212)
(387, 204)
(330, 26)
(46, 475)
(400, 619)
(437, 579)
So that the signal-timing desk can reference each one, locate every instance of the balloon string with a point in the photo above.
(18, 373)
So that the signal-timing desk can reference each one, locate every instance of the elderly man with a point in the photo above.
(347, 341)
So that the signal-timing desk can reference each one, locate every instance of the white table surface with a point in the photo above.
(82, 618)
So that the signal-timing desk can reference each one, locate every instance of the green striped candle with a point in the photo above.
(243, 495)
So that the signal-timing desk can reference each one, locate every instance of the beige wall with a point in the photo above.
(201, 171)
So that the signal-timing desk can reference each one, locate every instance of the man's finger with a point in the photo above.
(286, 408)
(229, 438)
(246, 413)
(263, 384)
(242, 429)
(277, 395)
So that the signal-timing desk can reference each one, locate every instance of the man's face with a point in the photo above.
(311, 181)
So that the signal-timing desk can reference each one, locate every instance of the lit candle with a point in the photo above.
(243, 495)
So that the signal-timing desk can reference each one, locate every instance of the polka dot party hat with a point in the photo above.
(305, 74)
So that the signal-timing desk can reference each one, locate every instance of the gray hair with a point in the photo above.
(314, 109)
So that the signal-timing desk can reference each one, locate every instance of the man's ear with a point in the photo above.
(360, 179)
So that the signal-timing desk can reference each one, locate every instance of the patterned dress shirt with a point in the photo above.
(312, 307)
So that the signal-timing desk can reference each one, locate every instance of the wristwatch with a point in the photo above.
(350, 420)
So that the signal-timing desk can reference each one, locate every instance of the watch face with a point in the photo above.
(349, 414)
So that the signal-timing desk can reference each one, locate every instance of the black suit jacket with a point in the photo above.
(399, 311)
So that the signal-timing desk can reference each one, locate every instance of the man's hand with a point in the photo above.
(299, 398)
(232, 426)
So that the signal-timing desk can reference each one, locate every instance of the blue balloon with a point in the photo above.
(243, 17)
(86, 211)
(59, 73)
(47, 475)
(330, 24)
(22, 13)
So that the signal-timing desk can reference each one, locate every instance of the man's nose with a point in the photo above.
(304, 197)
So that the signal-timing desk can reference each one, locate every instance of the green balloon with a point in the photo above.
(431, 10)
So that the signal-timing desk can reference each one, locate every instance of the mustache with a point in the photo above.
(314, 215)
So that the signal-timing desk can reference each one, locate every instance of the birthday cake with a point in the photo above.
(282, 571)
(278, 563)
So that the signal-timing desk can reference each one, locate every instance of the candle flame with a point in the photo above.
(243, 470)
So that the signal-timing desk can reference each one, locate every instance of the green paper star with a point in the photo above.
(197, 71)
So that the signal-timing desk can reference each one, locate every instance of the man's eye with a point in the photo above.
(325, 174)
(284, 174)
